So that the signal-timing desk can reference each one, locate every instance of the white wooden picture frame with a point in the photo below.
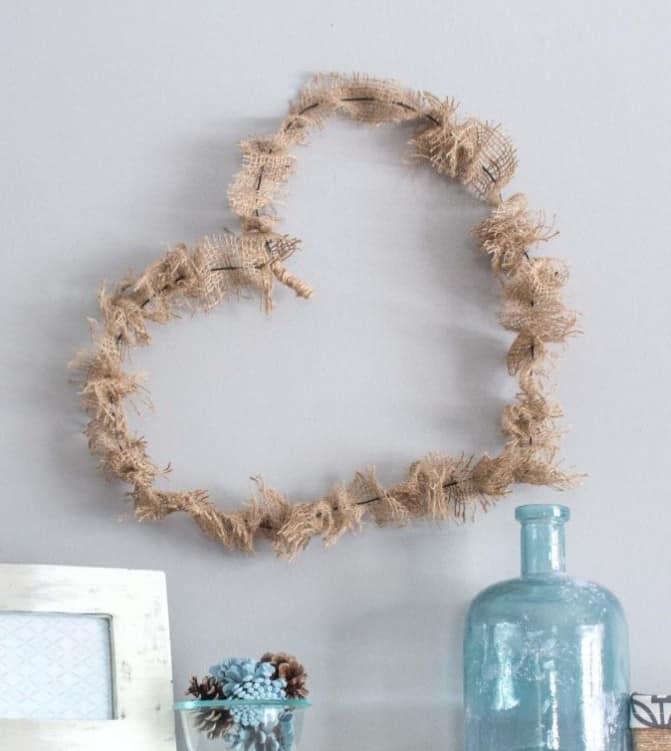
(135, 603)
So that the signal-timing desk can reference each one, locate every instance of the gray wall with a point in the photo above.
(119, 137)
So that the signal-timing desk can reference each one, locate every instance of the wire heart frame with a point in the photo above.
(437, 486)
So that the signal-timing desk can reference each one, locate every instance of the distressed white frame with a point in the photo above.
(136, 604)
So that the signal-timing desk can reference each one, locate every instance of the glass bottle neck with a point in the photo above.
(543, 548)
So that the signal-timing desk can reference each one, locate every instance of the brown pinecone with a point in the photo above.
(207, 690)
(213, 722)
(288, 667)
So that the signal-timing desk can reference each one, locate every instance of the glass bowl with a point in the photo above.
(242, 725)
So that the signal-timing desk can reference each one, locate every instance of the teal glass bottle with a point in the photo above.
(546, 658)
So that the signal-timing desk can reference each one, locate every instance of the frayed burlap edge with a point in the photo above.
(437, 487)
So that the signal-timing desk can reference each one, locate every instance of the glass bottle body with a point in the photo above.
(546, 663)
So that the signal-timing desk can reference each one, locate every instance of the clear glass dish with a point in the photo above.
(242, 724)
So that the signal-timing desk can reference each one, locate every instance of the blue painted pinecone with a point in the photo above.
(261, 738)
(247, 679)
(271, 734)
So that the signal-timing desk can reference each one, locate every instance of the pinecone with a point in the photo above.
(244, 678)
(213, 722)
(207, 690)
(262, 737)
(271, 734)
(287, 667)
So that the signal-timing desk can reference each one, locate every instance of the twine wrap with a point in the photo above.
(438, 487)
(652, 739)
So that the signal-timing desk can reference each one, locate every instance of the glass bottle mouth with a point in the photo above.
(542, 512)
